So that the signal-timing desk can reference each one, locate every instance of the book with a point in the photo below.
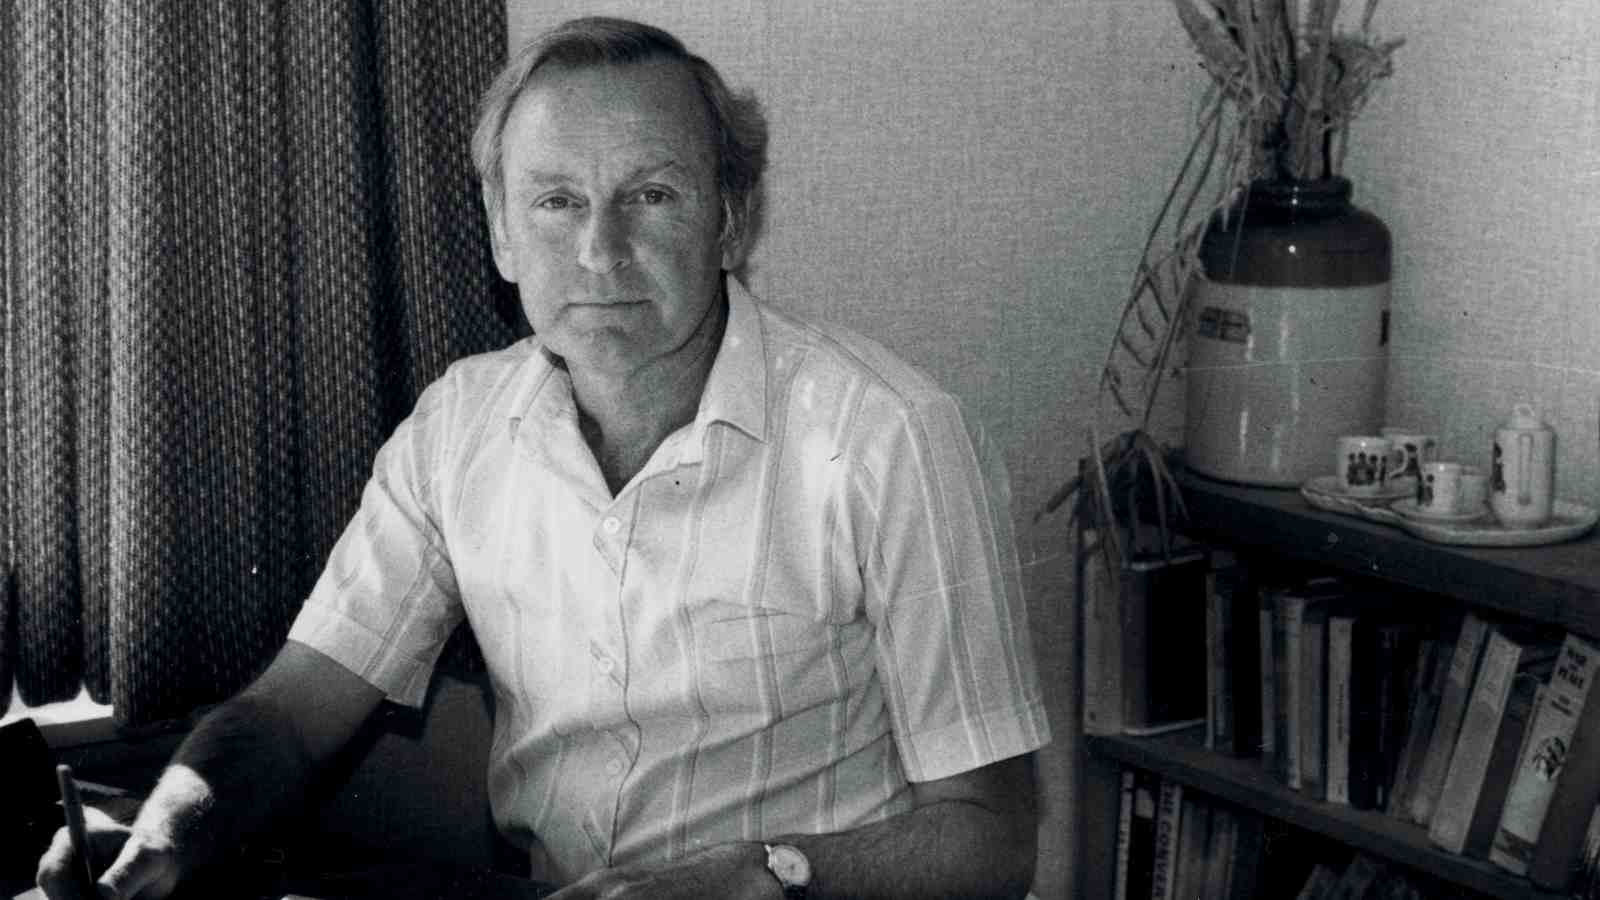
(1312, 702)
(1139, 678)
(1586, 877)
(1558, 854)
(1124, 835)
(1480, 739)
(1169, 817)
(1194, 839)
(1549, 735)
(1233, 680)
(1526, 689)
(1267, 670)
(1336, 762)
(1319, 883)
(1471, 638)
(1142, 834)
(1244, 869)
(1381, 647)
(1358, 877)
(1220, 589)
(1220, 853)
(1398, 643)
(1102, 639)
(1432, 669)
(1287, 659)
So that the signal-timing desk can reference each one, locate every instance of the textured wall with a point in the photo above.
(1483, 155)
(967, 183)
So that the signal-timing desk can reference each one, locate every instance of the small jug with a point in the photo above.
(1523, 469)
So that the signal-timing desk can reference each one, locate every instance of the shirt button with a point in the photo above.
(604, 664)
(611, 524)
(614, 767)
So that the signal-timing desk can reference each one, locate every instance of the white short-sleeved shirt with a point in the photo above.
(808, 597)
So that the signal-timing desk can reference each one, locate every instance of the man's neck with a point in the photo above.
(624, 417)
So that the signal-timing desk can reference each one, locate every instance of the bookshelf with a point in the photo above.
(1558, 585)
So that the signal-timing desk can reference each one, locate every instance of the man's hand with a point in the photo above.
(732, 871)
(142, 865)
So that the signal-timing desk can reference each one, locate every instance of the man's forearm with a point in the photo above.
(242, 765)
(953, 848)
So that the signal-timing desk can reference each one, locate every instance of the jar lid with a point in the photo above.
(1524, 418)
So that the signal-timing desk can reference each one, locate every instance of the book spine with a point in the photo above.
(1558, 855)
(1244, 871)
(1397, 673)
(1142, 836)
(1163, 666)
(1526, 689)
(1463, 782)
(1549, 736)
(1169, 816)
(1244, 668)
(1194, 838)
(1318, 884)
(1313, 701)
(1220, 853)
(1268, 671)
(1464, 662)
(1291, 613)
(1102, 642)
(1366, 708)
(1336, 767)
(1124, 835)
(1219, 624)
(1433, 667)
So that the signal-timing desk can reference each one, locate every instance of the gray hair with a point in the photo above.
(738, 125)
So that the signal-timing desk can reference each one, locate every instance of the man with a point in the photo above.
(745, 587)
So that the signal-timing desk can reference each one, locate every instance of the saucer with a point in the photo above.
(1411, 510)
(1332, 487)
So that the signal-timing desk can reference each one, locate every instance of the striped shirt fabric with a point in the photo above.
(808, 597)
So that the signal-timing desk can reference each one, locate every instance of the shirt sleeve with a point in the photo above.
(944, 589)
(387, 599)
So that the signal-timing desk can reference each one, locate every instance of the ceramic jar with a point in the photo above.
(1522, 470)
(1288, 335)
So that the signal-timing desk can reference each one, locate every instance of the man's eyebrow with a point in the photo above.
(544, 178)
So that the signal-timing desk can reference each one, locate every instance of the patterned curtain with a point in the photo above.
(238, 239)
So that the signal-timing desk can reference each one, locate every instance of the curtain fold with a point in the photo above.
(245, 236)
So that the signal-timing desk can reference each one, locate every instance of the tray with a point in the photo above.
(1568, 520)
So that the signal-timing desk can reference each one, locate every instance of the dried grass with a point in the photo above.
(1283, 89)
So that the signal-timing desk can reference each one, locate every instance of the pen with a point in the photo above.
(72, 804)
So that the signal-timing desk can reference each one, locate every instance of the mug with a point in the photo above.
(1364, 462)
(1417, 446)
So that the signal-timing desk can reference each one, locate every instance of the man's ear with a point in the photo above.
(499, 240)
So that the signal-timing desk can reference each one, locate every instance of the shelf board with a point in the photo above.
(1182, 757)
(1558, 584)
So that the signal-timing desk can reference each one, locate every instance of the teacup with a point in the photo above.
(1451, 489)
(1417, 447)
(1364, 462)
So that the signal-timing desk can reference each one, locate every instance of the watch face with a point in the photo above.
(789, 864)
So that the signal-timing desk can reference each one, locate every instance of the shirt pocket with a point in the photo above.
(760, 633)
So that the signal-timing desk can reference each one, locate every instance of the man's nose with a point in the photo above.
(603, 244)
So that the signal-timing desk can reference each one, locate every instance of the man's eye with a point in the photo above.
(654, 196)
(557, 202)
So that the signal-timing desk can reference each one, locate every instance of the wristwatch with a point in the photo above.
(791, 868)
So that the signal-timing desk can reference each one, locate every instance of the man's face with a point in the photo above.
(611, 218)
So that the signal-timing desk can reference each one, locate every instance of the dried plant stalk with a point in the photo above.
(1283, 89)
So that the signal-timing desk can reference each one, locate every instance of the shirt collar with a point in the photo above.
(735, 390)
